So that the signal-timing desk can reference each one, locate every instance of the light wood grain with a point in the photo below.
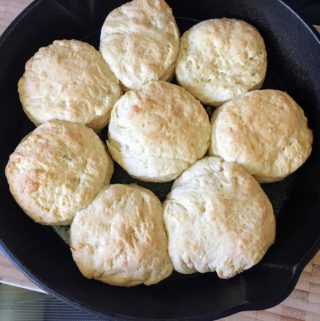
(302, 305)
(9, 274)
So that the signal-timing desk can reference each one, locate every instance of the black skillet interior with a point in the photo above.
(294, 65)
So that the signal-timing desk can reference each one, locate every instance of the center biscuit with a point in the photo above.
(157, 132)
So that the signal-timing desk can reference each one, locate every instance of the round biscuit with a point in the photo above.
(120, 237)
(217, 219)
(140, 42)
(68, 80)
(265, 131)
(57, 170)
(220, 59)
(158, 131)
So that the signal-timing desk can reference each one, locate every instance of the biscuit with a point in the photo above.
(220, 59)
(265, 131)
(158, 131)
(120, 238)
(140, 42)
(217, 219)
(68, 80)
(57, 170)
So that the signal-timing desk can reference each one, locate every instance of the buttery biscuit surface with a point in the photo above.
(57, 170)
(120, 238)
(218, 219)
(220, 59)
(265, 131)
(68, 80)
(140, 42)
(158, 131)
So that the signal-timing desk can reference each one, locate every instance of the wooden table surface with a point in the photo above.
(303, 304)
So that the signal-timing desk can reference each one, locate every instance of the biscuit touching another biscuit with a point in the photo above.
(68, 80)
(156, 132)
(217, 219)
(140, 42)
(120, 237)
(57, 170)
(220, 59)
(265, 131)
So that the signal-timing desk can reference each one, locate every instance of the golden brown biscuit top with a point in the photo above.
(140, 42)
(161, 128)
(265, 131)
(218, 219)
(68, 80)
(220, 59)
(120, 237)
(57, 170)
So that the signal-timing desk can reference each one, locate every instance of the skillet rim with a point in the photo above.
(245, 306)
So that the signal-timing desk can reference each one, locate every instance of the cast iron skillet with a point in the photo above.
(294, 65)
